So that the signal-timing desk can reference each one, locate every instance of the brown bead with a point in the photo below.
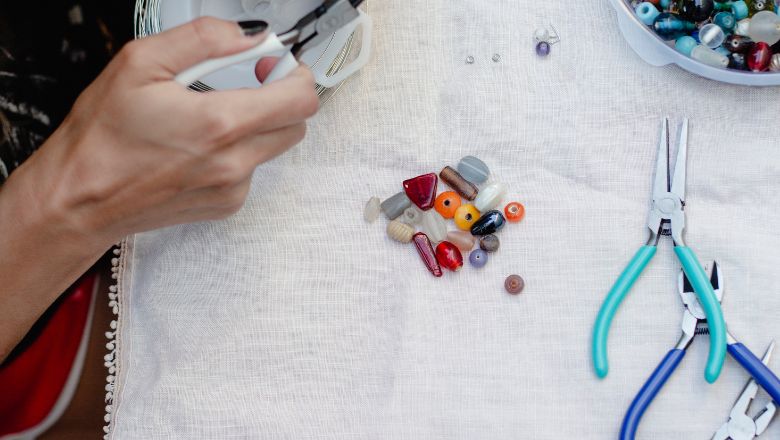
(462, 186)
(514, 284)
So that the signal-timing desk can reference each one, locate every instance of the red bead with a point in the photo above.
(421, 190)
(759, 57)
(425, 249)
(449, 256)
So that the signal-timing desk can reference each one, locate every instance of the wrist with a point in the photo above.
(33, 207)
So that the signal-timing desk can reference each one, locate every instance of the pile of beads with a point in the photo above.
(419, 215)
(735, 34)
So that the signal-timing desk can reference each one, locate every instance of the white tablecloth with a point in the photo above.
(295, 319)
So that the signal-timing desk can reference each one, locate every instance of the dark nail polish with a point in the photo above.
(253, 27)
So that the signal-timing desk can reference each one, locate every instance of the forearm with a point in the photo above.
(40, 256)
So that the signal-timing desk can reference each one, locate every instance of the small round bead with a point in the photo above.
(447, 203)
(685, 45)
(514, 212)
(541, 34)
(543, 48)
(478, 258)
(489, 243)
(496, 57)
(465, 216)
(739, 9)
(647, 12)
(514, 284)
(469, 59)
(711, 35)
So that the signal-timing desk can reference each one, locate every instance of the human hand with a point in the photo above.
(139, 151)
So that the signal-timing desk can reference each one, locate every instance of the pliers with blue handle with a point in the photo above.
(694, 322)
(666, 217)
(740, 426)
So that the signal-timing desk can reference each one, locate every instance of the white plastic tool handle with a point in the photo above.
(270, 47)
(361, 60)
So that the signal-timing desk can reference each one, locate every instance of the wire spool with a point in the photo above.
(155, 16)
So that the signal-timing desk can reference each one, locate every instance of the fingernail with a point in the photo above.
(250, 28)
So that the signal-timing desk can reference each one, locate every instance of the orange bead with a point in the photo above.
(465, 216)
(514, 212)
(447, 203)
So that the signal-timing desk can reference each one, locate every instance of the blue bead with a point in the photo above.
(478, 258)
(647, 12)
(685, 45)
(489, 223)
(739, 9)
(725, 20)
(543, 48)
(665, 3)
(671, 27)
(723, 51)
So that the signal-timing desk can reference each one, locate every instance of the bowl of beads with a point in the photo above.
(733, 41)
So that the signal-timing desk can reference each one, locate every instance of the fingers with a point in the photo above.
(264, 67)
(249, 111)
(184, 46)
(262, 148)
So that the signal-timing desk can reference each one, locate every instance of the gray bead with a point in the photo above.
(395, 206)
(489, 243)
(412, 216)
(473, 169)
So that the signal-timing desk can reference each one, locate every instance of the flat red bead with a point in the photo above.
(759, 57)
(425, 249)
(449, 256)
(421, 190)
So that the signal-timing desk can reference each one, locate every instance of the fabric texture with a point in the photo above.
(295, 319)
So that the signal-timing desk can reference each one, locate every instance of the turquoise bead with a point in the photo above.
(671, 27)
(723, 51)
(647, 12)
(685, 45)
(739, 9)
(725, 20)
(665, 3)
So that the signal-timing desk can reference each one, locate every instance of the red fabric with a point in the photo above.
(31, 382)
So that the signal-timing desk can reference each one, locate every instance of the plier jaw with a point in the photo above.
(319, 25)
(694, 321)
(666, 216)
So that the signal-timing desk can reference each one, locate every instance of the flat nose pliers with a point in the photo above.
(666, 217)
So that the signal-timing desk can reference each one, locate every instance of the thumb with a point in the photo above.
(184, 46)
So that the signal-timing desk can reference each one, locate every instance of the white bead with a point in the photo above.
(774, 66)
(489, 197)
(434, 226)
(371, 211)
(541, 34)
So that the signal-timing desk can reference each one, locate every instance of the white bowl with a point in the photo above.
(654, 50)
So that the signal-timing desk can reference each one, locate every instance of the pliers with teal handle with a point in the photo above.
(694, 323)
(666, 217)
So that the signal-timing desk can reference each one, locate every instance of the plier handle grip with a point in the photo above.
(666, 217)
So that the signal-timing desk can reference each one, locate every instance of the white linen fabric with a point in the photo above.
(295, 319)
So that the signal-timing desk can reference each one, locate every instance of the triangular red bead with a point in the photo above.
(421, 190)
